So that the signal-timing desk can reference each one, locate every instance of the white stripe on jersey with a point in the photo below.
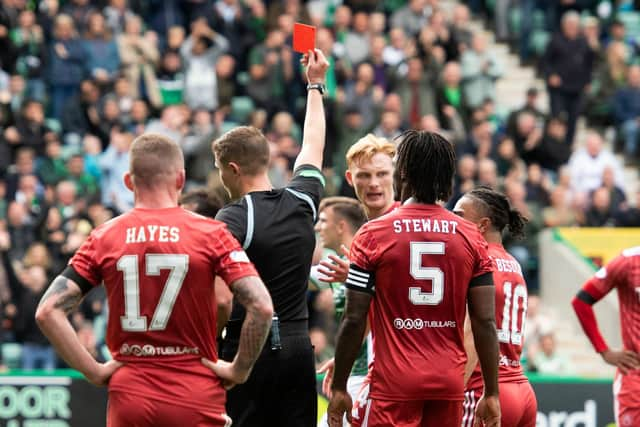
(356, 283)
(364, 276)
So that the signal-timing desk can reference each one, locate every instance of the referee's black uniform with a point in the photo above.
(276, 230)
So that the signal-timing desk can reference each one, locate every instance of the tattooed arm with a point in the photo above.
(60, 299)
(253, 295)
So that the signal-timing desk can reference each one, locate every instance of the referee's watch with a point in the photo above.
(319, 86)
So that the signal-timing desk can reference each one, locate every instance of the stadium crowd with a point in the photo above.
(80, 79)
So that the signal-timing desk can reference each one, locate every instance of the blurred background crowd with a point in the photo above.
(80, 79)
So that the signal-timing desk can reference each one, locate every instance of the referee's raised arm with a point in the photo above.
(313, 139)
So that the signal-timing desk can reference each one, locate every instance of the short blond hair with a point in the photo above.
(367, 147)
(153, 157)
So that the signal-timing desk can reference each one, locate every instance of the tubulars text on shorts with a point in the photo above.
(152, 233)
(424, 225)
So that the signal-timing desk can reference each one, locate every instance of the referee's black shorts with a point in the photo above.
(281, 391)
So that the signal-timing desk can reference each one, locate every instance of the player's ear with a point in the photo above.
(484, 225)
(234, 167)
(349, 177)
(181, 178)
(128, 180)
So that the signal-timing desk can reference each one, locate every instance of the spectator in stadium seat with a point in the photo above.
(616, 193)
(66, 62)
(626, 110)
(480, 69)
(530, 106)
(364, 96)
(600, 214)
(24, 165)
(548, 360)
(101, 51)
(551, 151)
(412, 17)
(116, 14)
(589, 162)
(30, 130)
(416, 93)
(445, 37)
(357, 41)
(139, 55)
(21, 229)
(559, 213)
(537, 186)
(395, 52)
(567, 65)
(36, 350)
(488, 173)
(609, 77)
(480, 140)
(29, 43)
(389, 127)
(80, 114)
(80, 11)
(51, 167)
(86, 184)
(383, 74)
(226, 77)
(114, 163)
(449, 95)
(200, 52)
(270, 70)
(464, 179)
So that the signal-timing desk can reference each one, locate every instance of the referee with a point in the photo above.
(276, 229)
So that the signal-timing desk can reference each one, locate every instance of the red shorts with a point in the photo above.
(626, 400)
(131, 410)
(412, 413)
(518, 405)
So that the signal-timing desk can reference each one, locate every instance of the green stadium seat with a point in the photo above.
(241, 108)
(631, 21)
(539, 20)
(538, 42)
(515, 20)
(243, 78)
(12, 355)
(227, 126)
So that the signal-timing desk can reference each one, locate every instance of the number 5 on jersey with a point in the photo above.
(420, 272)
(128, 265)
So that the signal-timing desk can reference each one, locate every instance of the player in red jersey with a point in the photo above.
(623, 274)
(492, 213)
(420, 265)
(158, 263)
(370, 173)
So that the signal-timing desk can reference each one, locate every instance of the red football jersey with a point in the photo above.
(511, 313)
(158, 267)
(418, 261)
(623, 273)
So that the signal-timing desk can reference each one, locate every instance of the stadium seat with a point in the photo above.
(227, 126)
(12, 355)
(241, 108)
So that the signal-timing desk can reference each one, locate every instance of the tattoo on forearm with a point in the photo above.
(67, 297)
(255, 327)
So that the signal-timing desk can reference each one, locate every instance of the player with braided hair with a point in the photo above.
(419, 265)
(491, 211)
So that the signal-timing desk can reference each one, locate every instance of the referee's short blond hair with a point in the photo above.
(367, 147)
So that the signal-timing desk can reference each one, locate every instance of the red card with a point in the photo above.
(304, 37)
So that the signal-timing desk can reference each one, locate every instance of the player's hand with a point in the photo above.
(328, 367)
(316, 64)
(103, 372)
(488, 412)
(339, 406)
(228, 372)
(624, 360)
(337, 270)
